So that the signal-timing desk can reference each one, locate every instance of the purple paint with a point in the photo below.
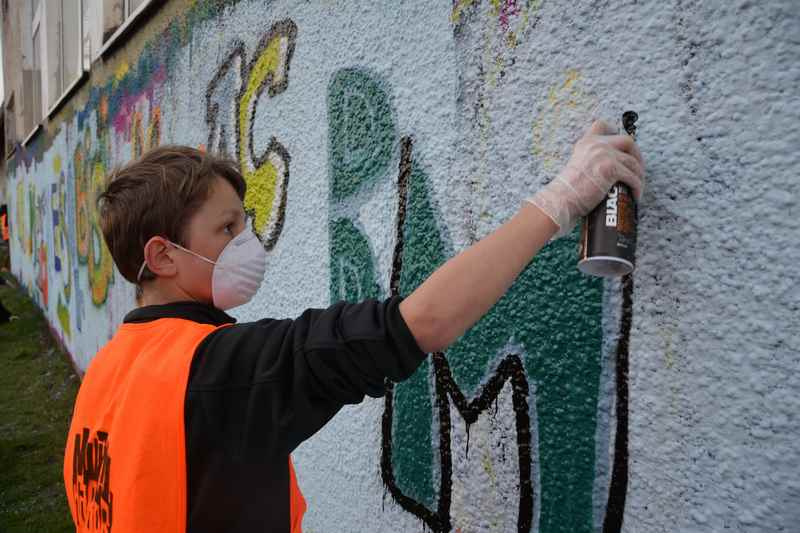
(127, 102)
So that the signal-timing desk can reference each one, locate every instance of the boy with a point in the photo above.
(185, 421)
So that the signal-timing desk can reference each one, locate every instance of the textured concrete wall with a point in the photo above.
(378, 141)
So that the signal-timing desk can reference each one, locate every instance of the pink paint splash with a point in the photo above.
(122, 120)
(41, 280)
(509, 8)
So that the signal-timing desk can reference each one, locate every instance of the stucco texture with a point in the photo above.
(380, 139)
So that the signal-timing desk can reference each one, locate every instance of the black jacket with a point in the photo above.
(257, 390)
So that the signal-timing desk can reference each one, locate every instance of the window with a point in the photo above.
(119, 16)
(65, 67)
(3, 143)
(86, 35)
(113, 16)
(10, 126)
(36, 93)
(133, 5)
(32, 71)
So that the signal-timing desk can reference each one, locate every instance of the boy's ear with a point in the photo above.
(158, 259)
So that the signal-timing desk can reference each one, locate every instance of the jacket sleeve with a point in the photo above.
(271, 384)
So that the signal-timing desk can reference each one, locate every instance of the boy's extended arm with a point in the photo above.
(462, 290)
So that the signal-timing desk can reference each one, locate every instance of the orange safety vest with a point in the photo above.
(125, 461)
(3, 220)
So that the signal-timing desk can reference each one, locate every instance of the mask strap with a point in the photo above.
(141, 270)
(207, 260)
(144, 264)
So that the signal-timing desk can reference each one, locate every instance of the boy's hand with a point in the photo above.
(599, 160)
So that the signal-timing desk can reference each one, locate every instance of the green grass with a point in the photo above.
(37, 391)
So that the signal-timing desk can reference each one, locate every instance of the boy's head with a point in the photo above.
(172, 194)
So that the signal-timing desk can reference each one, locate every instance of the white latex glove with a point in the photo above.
(599, 159)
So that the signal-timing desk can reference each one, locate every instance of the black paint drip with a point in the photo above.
(618, 489)
(466, 455)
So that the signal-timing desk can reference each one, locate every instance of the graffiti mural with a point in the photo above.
(38, 210)
(412, 130)
(510, 383)
(512, 17)
(231, 101)
(62, 260)
(488, 36)
(58, 181)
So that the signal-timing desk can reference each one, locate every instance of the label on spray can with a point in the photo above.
(608, 236)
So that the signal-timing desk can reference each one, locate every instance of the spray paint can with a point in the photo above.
(608, 236)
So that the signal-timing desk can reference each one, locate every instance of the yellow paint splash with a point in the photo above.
(488, 467)
(103, 108)
(63, 318)
(261, 181)
(566, 104)
(101, 264)
(81, 202)
(669, 351)
(120, 72)
(137, 141)
(154, 128)
(458, 9)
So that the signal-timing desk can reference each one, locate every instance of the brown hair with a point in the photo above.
(157, 194)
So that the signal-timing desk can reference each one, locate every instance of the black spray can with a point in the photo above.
(608, 236)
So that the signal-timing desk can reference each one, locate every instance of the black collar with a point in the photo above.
(194, 311)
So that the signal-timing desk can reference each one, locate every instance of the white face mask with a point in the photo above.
(238, 271)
